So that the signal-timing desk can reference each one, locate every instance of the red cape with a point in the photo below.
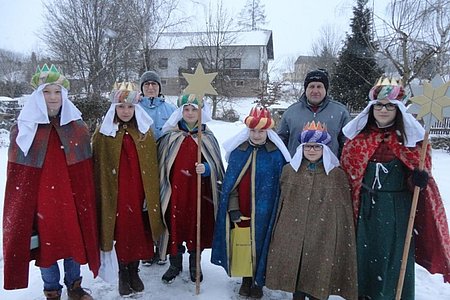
(23, 187)
(431, 227)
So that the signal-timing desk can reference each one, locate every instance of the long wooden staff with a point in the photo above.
(412, 216)
(199, 84)
(199, 199)
(429, 106)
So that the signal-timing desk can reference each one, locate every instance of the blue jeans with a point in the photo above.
(51, 275)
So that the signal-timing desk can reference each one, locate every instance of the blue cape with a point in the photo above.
(269, 164)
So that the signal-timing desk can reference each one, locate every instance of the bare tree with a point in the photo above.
(326, 48)
(88, 36)
(441, 34)
(213, 50)
(252, 16)
(148, 19)
(292, 77)
(416, 33)
(13, 73)
(102, 41)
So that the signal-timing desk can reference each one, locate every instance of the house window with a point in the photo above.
(163, 63)
(232, 63)
(193, 62)
(240, 83)
(163, 82)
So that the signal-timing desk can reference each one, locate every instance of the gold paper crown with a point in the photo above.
(124, 86)
(383, 80)
(49, 75)
(315, 126)
(124, 92)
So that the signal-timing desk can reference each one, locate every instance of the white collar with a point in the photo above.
(330, 161)
(109, 128)
(232, 143)
(413, 130)
(177, 115)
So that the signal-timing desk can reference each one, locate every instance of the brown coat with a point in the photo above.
(106, 153)
(313, 246)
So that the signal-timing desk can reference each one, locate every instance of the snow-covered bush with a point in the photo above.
(4, 138)
(440, 142)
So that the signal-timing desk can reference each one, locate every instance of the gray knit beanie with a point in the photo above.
(150, 76)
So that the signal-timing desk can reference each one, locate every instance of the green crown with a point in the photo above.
(187, 99)
(49, 75)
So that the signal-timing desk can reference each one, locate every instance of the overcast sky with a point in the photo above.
(296, 24)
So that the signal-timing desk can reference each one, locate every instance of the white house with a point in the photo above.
(240, 58)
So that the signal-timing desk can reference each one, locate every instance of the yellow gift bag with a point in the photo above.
(241, 252)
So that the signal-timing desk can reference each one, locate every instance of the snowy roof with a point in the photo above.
(4, 98)
(181, 40)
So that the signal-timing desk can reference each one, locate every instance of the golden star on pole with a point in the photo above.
(434, 104)
(199, 83)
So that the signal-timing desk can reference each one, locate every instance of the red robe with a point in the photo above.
(183, 202)
(130, 202)
(51, 191)
(432, 238)
(177, 155)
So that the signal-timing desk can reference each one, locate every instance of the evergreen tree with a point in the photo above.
(252, 16)
(356, 69)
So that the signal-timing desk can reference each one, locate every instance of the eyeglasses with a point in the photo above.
(316, 147)
(389, 106)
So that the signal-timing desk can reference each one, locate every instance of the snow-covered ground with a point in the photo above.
(216, 285)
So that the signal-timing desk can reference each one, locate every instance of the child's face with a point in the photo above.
(312, 151)
(53, 98)
(190, 114)
(383, 116)
(258, 136)
(125, 111)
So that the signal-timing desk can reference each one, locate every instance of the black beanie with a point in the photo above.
(318, 75)
(150, 76)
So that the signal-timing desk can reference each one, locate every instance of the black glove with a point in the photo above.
(420, 178)
(235, 216)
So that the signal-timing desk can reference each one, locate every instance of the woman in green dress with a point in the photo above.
(381, 159)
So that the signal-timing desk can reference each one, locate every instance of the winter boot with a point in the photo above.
(193, 266)
(52, 295)
(298, 296)
(135, 281)
(256, 292)
(124, 281)
(244, 291)
(175, 268)
(76, 292)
